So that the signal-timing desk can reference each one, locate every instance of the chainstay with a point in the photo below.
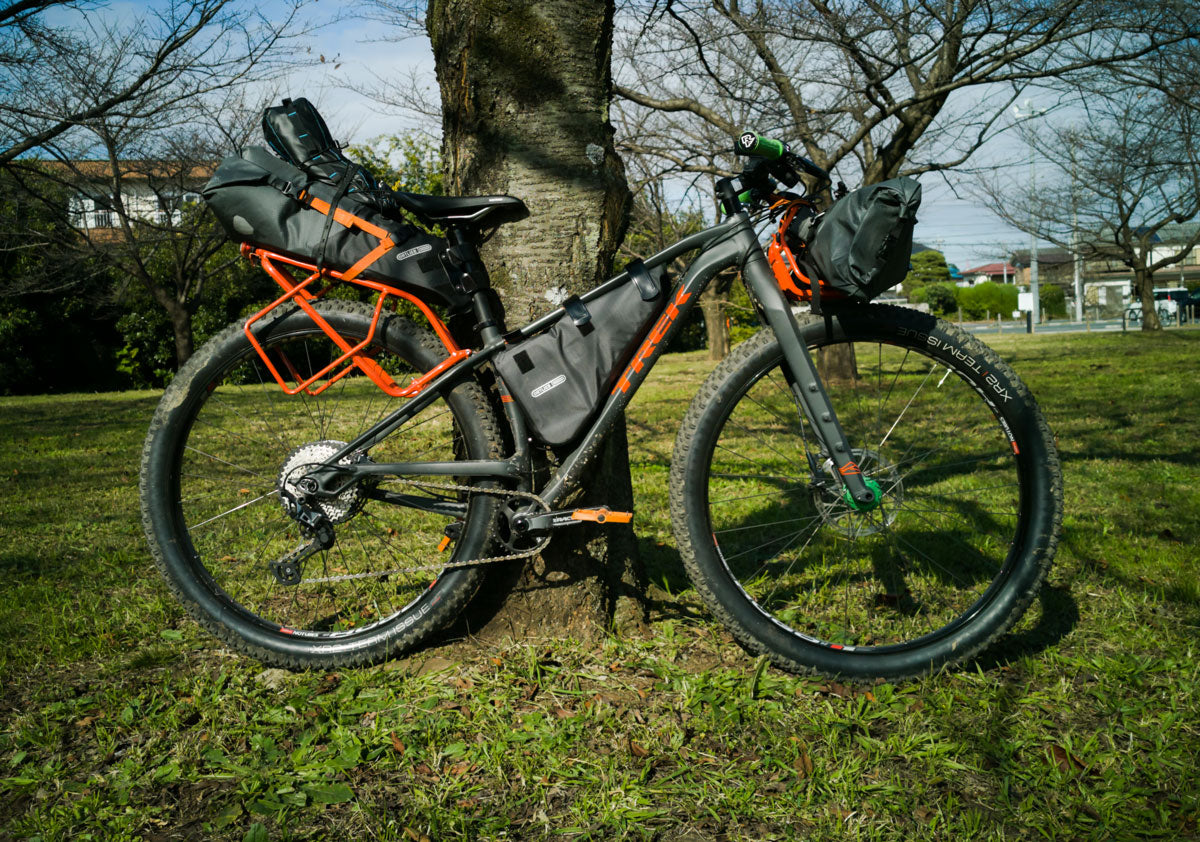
(448, 565)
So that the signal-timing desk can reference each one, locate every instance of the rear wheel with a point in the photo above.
(970, 499)
(227, 448)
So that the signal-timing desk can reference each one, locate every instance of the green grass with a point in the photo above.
(120, 719)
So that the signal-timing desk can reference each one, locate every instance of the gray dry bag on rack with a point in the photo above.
(264, 201)
(861, 246)
(561, 376)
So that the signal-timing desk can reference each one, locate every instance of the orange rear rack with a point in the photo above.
(304, 292)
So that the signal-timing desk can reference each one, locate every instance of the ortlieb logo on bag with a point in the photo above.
(546, 387)
(560, 377)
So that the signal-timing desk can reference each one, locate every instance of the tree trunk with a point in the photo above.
(525, 92)
(1143, 287)
(180, 316)
(715, 325)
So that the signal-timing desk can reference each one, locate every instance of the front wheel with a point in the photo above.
(970, 498)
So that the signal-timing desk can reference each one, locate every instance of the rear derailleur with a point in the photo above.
(314, 526)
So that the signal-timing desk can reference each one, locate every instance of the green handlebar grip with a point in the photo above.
(751, 143)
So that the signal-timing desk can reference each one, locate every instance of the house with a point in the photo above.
(1000, 273)
(151, 191)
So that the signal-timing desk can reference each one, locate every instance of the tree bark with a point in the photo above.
(525, 90)
(717, 329)
(1143, 287)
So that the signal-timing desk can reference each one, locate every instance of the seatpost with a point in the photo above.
(463, 257)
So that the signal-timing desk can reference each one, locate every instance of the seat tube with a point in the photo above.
(809, 389)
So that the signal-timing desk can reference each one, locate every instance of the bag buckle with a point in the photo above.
(647, 287)
(577, 310)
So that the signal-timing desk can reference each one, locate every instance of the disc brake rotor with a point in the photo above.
(849, 520)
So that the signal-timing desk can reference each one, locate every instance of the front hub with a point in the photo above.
(864, 507)
(842, 513)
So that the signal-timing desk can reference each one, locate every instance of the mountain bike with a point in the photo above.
(870, 492)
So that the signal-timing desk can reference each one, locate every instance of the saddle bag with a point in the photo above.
(267, 202)
(561, 376)
(861, 246)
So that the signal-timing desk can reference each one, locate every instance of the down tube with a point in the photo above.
(703, 269)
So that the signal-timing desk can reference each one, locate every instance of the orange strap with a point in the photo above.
(349, 220)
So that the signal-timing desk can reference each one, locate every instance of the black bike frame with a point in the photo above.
(731, 243)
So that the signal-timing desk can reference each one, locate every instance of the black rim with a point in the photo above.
(224, 499)
(914, 571)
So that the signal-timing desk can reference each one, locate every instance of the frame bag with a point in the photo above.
(559, 377)
(861, 246)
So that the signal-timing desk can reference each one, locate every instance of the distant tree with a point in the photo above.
(940, 297)
(1109, 185)
(926, 267)
(987, 299)
(1053, 301)
(93, 102)
(887, 88)
(65, 64)
(410, 162)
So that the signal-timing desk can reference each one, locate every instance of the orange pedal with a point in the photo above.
(445, 542)
(602, 515)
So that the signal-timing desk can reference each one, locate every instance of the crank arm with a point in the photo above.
(545, 521)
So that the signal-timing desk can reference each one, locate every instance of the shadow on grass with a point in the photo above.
(1058, 616)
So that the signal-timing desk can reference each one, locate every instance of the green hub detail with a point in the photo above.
(864, 507)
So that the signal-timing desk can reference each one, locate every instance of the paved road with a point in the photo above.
(1056, 327)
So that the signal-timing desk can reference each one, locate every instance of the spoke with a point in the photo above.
(928, 374)
(753, 496)
(791, 564)
(795, 402)
(230, 464)
(980, 556)
(231, 511)
(746, 458)
(766, 443)
(767, 544)
(958, 494)
(222, 480)
(921, 468)
(765, 525)
(229, 405)
(791, 480)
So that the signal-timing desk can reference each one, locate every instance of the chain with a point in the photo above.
(448, 565)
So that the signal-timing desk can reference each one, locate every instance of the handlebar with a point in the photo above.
(778, 153)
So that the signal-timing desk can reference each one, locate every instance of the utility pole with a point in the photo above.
(1076, 258)
(1030, 113)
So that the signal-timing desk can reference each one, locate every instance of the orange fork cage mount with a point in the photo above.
(303, 293)
(791, 278)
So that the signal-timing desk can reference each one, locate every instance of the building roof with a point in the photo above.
(1048, 256)
(102, 170)
(992, 269)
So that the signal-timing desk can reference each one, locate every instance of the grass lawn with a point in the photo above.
(120, 719)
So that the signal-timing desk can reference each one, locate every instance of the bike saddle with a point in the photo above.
(452, 210)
